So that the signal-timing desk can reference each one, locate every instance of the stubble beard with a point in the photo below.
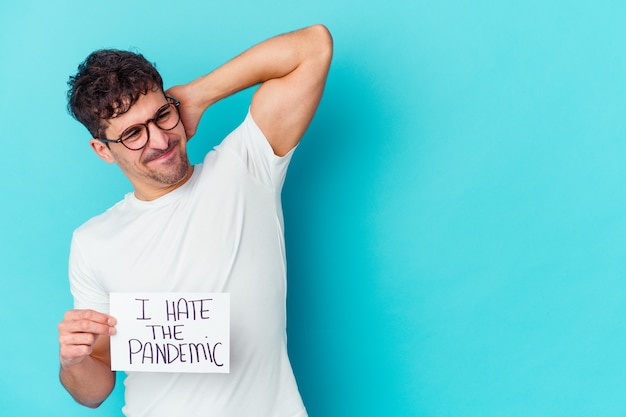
(170, 173)
(177, 172)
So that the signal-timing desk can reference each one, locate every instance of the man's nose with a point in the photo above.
(157, 138)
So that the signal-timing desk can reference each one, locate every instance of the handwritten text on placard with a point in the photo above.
(171, 332)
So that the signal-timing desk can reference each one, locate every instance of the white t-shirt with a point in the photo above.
(222, 231)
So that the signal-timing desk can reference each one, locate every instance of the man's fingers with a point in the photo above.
(72, 354)
(75, 339)
(90, 315)
(85, 326)
(79, 331)
(87, 321)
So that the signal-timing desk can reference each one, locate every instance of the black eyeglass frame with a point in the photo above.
(171, 100)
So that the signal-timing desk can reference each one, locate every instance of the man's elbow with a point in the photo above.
(94, 405)
(89, 403)
(323, 42)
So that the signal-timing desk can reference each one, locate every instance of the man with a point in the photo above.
(214, 227)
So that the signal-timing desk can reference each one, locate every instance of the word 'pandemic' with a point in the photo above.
(167, 353)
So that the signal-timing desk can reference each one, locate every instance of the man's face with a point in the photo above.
(162, 165)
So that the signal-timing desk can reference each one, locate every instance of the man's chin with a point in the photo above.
(173, 177)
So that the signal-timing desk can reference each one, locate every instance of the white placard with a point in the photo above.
(171, 332)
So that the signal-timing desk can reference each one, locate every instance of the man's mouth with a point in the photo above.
(156, 154)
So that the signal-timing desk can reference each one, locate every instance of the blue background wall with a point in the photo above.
(455, 215)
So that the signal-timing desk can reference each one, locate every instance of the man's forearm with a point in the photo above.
(89, 382)
(271, 59)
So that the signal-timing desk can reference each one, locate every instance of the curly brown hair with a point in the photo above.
(107, 84)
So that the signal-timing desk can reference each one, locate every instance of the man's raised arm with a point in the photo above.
(292, 69)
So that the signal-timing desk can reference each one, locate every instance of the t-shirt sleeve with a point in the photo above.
(251, 146)
(87, 292)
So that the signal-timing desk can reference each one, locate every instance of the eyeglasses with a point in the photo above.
(137, 136)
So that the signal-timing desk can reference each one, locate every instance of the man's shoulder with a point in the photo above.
(104, 221)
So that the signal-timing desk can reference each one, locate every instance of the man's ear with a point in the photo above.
(102, 150)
